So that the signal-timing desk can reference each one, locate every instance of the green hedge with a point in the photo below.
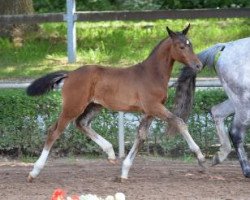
(99, 5)
(24, 120)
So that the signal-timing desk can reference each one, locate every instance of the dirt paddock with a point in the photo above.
(150, 179)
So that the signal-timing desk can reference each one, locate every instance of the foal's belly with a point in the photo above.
(114, 103)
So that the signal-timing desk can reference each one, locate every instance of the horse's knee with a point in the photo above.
(78, 123)
(82, 127)
(214, 112)
(180, 125)
(52, 135)
(52, 128)
(235, 136)
(143, 129)
(81, 122)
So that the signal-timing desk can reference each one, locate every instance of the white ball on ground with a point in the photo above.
(119, 196)
(110, 198)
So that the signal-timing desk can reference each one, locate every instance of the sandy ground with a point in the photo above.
(150, 179)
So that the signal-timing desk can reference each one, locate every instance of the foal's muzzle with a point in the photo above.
(197, 66)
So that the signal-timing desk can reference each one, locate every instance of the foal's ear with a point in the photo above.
(185, 30)
(170, 32)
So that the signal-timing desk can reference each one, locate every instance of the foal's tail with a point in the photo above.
(185, 86)
(46, 83)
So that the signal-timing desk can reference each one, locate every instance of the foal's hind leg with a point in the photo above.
(220, 112)
(53, 133)
(237, 134)
(141, 137)
(83, 123)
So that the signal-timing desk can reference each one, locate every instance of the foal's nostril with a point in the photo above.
(198, 66)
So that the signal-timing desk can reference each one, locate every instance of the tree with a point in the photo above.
(15, 7)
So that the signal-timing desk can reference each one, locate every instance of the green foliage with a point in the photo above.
(182, 4)
(24, 120)
(60, 5)
(114, 43)
(93, 5)
(19, 131)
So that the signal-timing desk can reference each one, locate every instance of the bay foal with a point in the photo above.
(141, 88)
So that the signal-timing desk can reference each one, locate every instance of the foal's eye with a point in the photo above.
(182, 47)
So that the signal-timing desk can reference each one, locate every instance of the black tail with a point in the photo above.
(184, 93)
(185, 87)
(46, 83)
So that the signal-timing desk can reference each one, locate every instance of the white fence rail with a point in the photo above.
(200, 82)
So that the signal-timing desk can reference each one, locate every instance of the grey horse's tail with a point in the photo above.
(185, 86)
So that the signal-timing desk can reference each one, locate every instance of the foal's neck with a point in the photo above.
(160, 62)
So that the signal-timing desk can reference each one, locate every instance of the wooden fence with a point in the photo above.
(127, 15)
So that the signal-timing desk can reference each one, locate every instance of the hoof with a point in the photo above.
(30, 178)
(202, 162)
(120, 180)
(113, 161)
(245, 168)
(247, 173)
(203, 166)
(215, 160)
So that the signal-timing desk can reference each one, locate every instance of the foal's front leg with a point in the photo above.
(140, 138)
(164, 114)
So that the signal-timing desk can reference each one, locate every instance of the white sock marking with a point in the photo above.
(38, 166)
(105, 145)
(127, 163)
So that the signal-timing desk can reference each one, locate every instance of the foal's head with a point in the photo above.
(182, 50)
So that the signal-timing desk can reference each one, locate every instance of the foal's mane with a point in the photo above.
(179, 34)
(157, 47)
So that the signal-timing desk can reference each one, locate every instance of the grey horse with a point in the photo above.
(233, 70)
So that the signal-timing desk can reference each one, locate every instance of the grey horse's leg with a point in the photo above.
(141, 137)
(220, 112)
(237, 134)
(83, 123)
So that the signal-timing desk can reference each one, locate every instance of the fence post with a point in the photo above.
(71, 30)
(121, 135)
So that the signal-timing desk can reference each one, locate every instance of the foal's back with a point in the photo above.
(113, 88)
